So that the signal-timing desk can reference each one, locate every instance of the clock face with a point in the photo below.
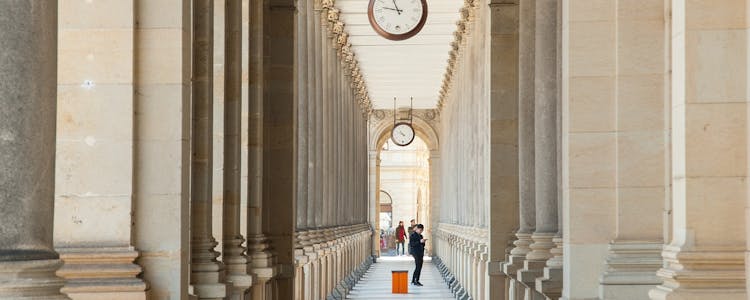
(402, 134)
(397, 19)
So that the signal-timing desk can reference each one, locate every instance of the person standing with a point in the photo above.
(412, 223)
(416, 248)
(400, 238)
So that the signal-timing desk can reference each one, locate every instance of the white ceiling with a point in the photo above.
(402, 69)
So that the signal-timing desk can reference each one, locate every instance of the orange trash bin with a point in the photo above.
(398, 282)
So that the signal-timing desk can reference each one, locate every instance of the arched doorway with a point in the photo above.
(424, 196)
(404, 173)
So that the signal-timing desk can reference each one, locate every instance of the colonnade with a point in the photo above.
(462, 236)
(333, 240)
(585, 151)
(598, 137)
(135, 204)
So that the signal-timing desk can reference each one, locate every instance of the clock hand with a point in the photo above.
(391, 8)
(396, 5)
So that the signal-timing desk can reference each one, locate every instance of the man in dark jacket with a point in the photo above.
(416, 247)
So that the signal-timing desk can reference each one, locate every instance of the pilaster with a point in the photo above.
(709, 154)
(94, 205)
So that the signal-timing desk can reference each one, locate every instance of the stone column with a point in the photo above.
(434, 165)
(526, 92)
(261, 264)
(545, 130)
(233, 251)
(205, 276)
(314, 218)
(301, 94)
(373, 169)
(318, 82)
(28, 72)
(709, 119)
(326, 129)
(550, 283)
(545, 139)
(320, 220)
(279, 151)
(312, 114)
(301, 99)
(503, 108)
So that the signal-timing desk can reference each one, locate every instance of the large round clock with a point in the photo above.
(402, 134)
(397, 19)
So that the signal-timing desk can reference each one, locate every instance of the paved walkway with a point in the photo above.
(376, 283)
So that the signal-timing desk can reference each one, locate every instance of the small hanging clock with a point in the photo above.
(402, 134)
(397, 20)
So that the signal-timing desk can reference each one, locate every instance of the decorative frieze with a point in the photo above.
(459, 37)
(337, 28)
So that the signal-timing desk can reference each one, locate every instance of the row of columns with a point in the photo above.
(461, 239)
(332, 238)
(524, 194)
(534, 264)
(29, 123)
(618, 146)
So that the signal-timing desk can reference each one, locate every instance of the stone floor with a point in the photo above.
(376, 284)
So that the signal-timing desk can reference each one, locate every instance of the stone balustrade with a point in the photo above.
(329, 261)
(462, 259)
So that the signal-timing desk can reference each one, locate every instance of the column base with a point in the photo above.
(631, 270)
(101, 273)
(206, 273)
(540, 249)
(31, 279)
(661, 293)
(235, 262)
(701, 274)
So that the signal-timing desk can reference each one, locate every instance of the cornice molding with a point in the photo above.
(336, 28)
(460, 36)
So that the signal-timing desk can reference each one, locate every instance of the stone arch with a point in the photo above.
(390, 198)
(379, 132)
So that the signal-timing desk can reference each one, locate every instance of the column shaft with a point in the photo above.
(320, 116)
(545, 129)
(261, 258)
(233, 257)
(205, 270)
(302, 120)
(28, 97)
(312, 115)
(526, 92)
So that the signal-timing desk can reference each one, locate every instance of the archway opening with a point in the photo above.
(404, 185)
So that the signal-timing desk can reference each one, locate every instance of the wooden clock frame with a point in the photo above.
(396, 37)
